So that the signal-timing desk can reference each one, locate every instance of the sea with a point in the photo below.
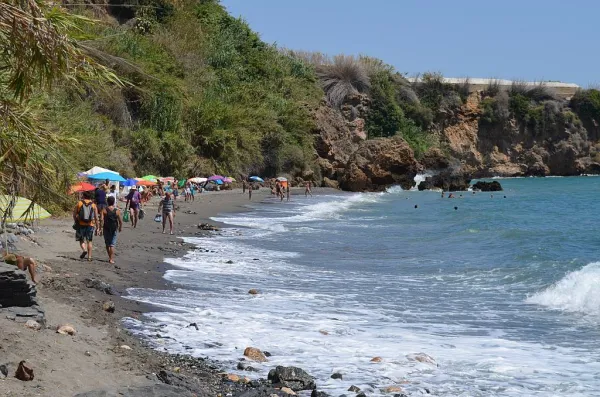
(500, 290)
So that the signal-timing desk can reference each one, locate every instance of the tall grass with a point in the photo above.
(344, 77)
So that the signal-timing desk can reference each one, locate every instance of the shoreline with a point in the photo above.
(94, 359)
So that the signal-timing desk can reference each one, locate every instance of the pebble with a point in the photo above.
(34, 325)
(125, 347)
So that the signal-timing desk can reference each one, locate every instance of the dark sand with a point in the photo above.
(93, 358)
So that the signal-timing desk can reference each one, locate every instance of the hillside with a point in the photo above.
(204, 94)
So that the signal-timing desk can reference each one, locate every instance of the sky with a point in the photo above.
(532, 40)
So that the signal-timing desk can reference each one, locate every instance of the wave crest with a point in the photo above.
(578, 291)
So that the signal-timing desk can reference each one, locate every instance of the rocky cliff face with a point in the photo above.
(561, 147)
(472, 149)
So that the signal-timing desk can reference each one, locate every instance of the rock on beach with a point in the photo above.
(255, 354)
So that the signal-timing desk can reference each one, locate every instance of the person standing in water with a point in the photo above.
(287, 192)
(250, 192)
(112, 226)
(307, 190)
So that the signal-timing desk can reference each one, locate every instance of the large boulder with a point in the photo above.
(493, 186)
(293, 377)
(447, 181)
(378, 164)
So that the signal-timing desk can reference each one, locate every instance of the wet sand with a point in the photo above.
(93, 358)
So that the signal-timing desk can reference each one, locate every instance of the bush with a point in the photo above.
(586, 103)
(495, 110)
(385, 115)
(519, 106)
(344, 77)
(535, 92)
(420, 141)
(464, 89)
(492, 89)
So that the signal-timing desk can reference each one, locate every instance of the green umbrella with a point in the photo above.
(151, 178)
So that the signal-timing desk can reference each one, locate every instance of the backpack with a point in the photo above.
(86, 212)
(111, 221)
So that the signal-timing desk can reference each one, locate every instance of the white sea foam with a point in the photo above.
(418, 179)
(578, 291)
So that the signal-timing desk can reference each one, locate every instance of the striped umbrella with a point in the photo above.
(24, 210)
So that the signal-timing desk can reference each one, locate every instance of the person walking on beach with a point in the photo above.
(243, 187)
(100, 198)
(85, 216)
(112, 226)
(307, 190)
(134, 200)
(250, 192)
(167, 205)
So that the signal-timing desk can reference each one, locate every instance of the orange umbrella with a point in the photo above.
(81, 187)
(143, 182)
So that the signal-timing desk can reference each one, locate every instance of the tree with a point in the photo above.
(37, 53)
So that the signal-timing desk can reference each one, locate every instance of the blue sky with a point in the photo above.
(526, 39)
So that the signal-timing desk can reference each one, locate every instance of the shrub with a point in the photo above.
(464, 89)
(385, 116)
(492, 89)
(535, 92)
(495, 110)
(420, 141)
(586, 103)
(519, 106)
(344, 77)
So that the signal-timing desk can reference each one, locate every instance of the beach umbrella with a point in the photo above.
(281, 179)
(167, 179)
(217, 181)
(151, 178)
(130, 182)
(197, 180)
(256, 179)
(144, 182)
(107, 175)
(20, 211)
(81, 187)
(215, 178)
(228, 180)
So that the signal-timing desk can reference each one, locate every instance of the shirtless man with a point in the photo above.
(307, 190)
(23, 263)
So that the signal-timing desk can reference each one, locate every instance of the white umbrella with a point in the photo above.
(197, 180)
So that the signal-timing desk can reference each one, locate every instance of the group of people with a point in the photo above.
(98, 214)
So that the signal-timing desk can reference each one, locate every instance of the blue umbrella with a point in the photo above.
(130, 182)
(107, 175)
(218, 181)
(256, 179)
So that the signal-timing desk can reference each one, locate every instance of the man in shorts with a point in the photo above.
(85, 216)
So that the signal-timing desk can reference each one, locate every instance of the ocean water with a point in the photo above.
(503, 293)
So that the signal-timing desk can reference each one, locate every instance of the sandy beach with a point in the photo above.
(102, 357)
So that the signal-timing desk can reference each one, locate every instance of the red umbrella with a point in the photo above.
(81, 187)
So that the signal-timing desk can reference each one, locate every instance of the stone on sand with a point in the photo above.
(392, 389)
(254, 291)
(66, 329)
(24, 372)
(255, 354)
(293, 377)
(108, 306)
(288, 391)
(34, 325)
(125, 347)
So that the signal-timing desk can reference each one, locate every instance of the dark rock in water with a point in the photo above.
(361, 394)
(158, 390)
(99, 285)
(194, 325)
(427, 184)
(241, 366)
(229, 262)
(336, 375)
(493, 186)
(354, 389)
(293, 377)
(451, 181)
(267, 354)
